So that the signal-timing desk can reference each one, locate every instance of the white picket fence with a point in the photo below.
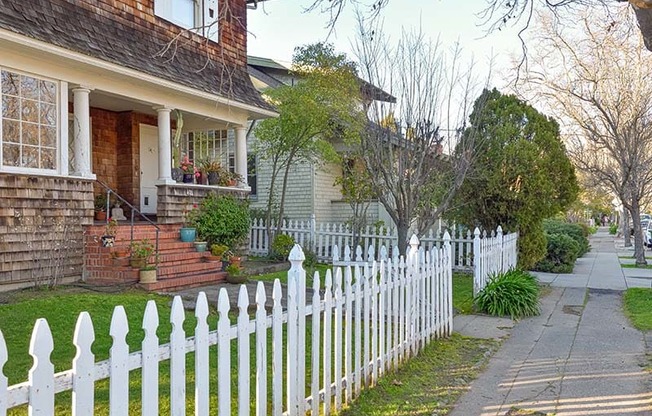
(367, 321)
(492, 255)
(322, 238)
(495, 253)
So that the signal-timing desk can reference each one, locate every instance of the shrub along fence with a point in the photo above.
(496, 252)
(368, 320)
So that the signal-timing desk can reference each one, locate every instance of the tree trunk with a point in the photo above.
(639, 248)
(626, 235)
(281, 205)
(402, 232)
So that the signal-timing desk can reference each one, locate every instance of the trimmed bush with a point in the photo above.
(562, 253)
(281, 247)
(514, 294)
(613, 229)
(222, 219)
(574, 231)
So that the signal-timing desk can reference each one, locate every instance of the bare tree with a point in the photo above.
(596, 77)
(408, 145)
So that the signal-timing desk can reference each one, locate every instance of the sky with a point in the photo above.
(278, 26)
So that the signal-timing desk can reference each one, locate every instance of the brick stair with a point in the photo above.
(180, 265)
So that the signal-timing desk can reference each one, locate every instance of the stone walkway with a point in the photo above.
(579, 357)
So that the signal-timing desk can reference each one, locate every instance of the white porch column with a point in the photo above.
(164, 146)
(82, 132)
(241, 154)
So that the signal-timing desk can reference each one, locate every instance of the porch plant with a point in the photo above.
(100, 207)
(200, 246)
(235, 274)
(188, 170)
(141, 253)
(212, 169)
(110, 230)
(147, 274)
(216, 252)
(188, 232)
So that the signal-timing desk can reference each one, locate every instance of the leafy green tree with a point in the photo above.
(322, 106)
(521, 173)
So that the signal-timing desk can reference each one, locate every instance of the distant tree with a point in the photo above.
(407, 145)
(325, 103)
(521, 173)
(595, 77)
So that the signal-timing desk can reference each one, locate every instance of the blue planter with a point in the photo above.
(200, 246)
(188, 234)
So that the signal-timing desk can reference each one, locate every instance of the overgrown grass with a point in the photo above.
(429, 384)
(283, 275)
(638, 307)
(514, 294)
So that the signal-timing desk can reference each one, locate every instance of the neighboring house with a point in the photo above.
(311, 187)
(89, 92)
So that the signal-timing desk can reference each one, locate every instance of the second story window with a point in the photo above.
(199, 15)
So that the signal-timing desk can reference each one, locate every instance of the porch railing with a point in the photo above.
(133, 210)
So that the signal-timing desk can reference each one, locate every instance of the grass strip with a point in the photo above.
(638, 307)
(634, 266)
(430, 383)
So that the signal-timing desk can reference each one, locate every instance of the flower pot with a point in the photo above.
(100, 215)
(177, 174)
(232, 182)
(235, 260)
(236, 278)
(108, 240)
(138, 262)
(188, 234)
(148, 276)
(121, 252)
(212, 259)
(200, 246)
(203, 178)
(213, 178)
(188, 178)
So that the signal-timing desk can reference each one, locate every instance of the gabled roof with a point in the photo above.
(268, 71)
(68, 25)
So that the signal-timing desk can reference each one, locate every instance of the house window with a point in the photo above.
(30, 122)
(251, 174)
(199, 15)
(207, 144)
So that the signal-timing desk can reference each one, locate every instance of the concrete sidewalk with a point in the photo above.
(579, 357)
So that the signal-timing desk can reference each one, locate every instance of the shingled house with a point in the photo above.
(90, 91)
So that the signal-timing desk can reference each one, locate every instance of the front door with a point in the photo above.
(148, 168)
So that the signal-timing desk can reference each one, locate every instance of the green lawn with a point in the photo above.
(62, 306)
(428, 384)
(638, 307)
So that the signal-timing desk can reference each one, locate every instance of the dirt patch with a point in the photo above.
(573, 309)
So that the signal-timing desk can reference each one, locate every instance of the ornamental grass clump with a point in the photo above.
(514, 294)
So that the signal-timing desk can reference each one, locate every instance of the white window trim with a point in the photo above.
(63, 106)
(202, 9)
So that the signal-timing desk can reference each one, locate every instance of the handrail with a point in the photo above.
(110, 191)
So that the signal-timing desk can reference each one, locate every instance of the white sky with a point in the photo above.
(278, 26)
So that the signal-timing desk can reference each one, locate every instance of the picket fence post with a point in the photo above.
(477, 261)
(83, 367)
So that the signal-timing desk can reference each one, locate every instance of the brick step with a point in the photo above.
(171, 269)
(187, 281)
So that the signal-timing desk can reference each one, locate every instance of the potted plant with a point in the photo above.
(235, 274)
(230, 178)
(147, 274)
(100, 207)
(110, 230)
(216, 252)
(141, 253)
(200, 246)
(188, 232)
(188, 170)
(212, 169)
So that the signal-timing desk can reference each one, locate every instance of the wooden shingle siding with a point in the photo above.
(41, 221)
(325, 177)
(298, 200)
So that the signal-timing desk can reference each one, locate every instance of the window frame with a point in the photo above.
(218, 145)
(58, 105)
(164, 9)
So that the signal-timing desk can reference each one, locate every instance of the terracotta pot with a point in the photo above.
(137, 262)
(235, 260)
(121, 252)
(100, 215)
